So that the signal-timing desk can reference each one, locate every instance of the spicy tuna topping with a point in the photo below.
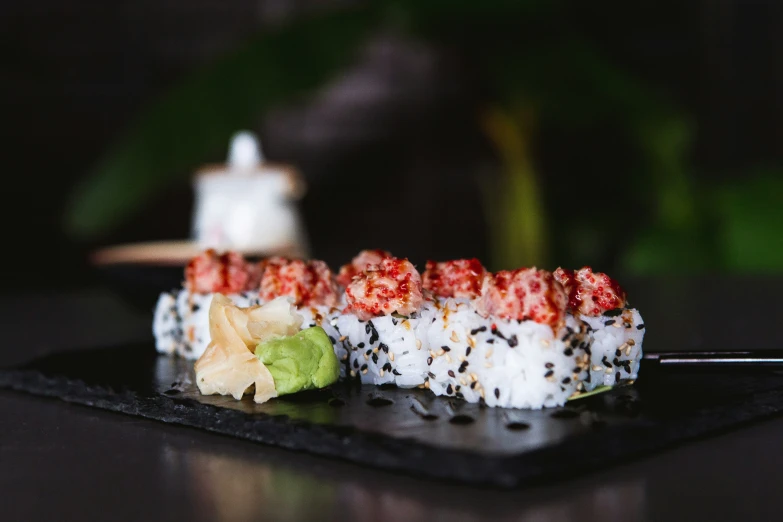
(226, 273)
(359, 263)
(310, 283)
(392, 285)
(523, 294)
(458, 278)
(590, 293)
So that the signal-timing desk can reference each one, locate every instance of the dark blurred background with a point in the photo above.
(640, 139)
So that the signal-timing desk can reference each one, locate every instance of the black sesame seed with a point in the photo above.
(459, 395)
(462, 367)
(549, 365)
(616, 361)
(451, 373)
(457, 387)
(394, 321)
(617, 353)
(512, 341)
(490, 341)
(640, 327)
(383, 347)
(574, 343)
(387, 367)
(356, 364)
(360, 345)
(445, 348)
(429, 361)
(617, 377)
(449, 389)
(473, 385)
(368, 352)
(576, 370)
(567, 380)
(550, 373)
(497, 393)
(395, 372)
(606, 362)
(195, 308)
(568, 352)
(375, 358)
(477, 330)
(610, 322)
(370, 329)
(467, 351)
(364, 367)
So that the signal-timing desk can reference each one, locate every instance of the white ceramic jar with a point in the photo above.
(249, 205)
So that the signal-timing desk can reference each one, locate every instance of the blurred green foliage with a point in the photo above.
(661, 218)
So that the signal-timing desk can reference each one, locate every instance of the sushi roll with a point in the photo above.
(617, 331)
(383, 327)
(511, 345)
(525, 338)
(505, 362)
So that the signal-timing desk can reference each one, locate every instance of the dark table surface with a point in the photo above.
(60, 461)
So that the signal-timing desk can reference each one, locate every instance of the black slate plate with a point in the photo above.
(410, 430)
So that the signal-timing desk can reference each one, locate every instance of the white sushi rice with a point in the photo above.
(324, 316)
(519, 364)
(616, 348)
(166, 325)
(387, 349)
(447, 347)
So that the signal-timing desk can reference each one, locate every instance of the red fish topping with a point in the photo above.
(227, 273)
(458, 278)
(590, 293)
(308, 282)
(393, 285)
(526, 293)
(359, 263)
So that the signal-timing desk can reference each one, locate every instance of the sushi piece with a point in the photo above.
(617, 331)
(512, 346)
(504, 361)
(382, 328)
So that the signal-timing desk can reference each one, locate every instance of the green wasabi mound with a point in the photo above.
(304, 361)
